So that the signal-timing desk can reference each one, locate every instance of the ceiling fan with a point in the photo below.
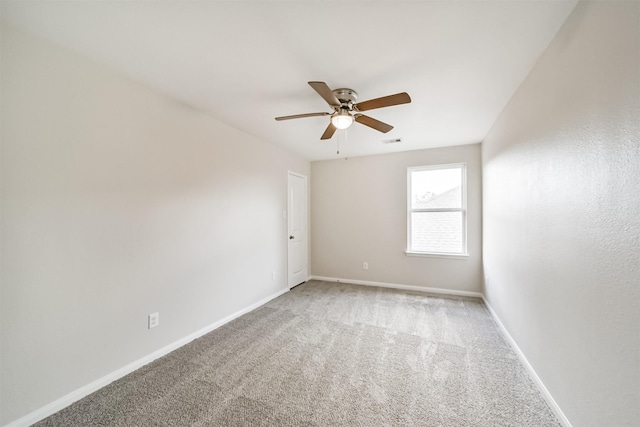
(346, 110)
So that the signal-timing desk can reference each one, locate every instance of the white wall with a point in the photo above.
(359, 213)
(118, 202)
(561, 174)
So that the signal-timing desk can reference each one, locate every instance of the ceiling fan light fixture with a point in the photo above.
(342, 120)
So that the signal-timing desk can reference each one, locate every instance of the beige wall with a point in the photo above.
(118, 202)
(562, 216)
(359, 213)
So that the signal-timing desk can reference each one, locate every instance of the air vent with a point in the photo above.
(391, 141)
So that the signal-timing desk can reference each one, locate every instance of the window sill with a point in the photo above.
(436, 255)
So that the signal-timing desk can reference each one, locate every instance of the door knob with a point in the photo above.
(290, 237)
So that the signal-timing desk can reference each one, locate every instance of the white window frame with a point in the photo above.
(462, 210)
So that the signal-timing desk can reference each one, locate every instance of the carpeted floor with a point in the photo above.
(331, 354)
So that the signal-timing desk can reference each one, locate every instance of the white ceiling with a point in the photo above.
(248, 62)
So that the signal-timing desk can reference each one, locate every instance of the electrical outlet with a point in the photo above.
(154, 320)
(273, 275)
(365, 265)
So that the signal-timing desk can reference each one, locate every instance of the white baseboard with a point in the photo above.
(398, 286)
(63, 402)
(538, 382)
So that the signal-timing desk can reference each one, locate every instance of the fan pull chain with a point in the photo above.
(340, 136)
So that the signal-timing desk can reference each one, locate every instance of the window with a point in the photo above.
(437, 210)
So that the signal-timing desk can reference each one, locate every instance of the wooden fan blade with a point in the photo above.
(325, 92)
(299, 116)
(385, 101)
(328, 133)
(373, 123)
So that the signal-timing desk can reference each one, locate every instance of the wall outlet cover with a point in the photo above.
(154, 320)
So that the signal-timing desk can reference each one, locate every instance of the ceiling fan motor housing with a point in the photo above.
(347, 97)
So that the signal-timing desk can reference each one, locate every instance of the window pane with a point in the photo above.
(436, 232)
(436, 188)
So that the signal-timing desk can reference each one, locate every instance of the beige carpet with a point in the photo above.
(328, 354)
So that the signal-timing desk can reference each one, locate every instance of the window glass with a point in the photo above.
(439, 188)
(439, 232)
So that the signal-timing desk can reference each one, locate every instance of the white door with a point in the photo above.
(297, 227)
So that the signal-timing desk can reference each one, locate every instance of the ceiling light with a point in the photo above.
(342, 119)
